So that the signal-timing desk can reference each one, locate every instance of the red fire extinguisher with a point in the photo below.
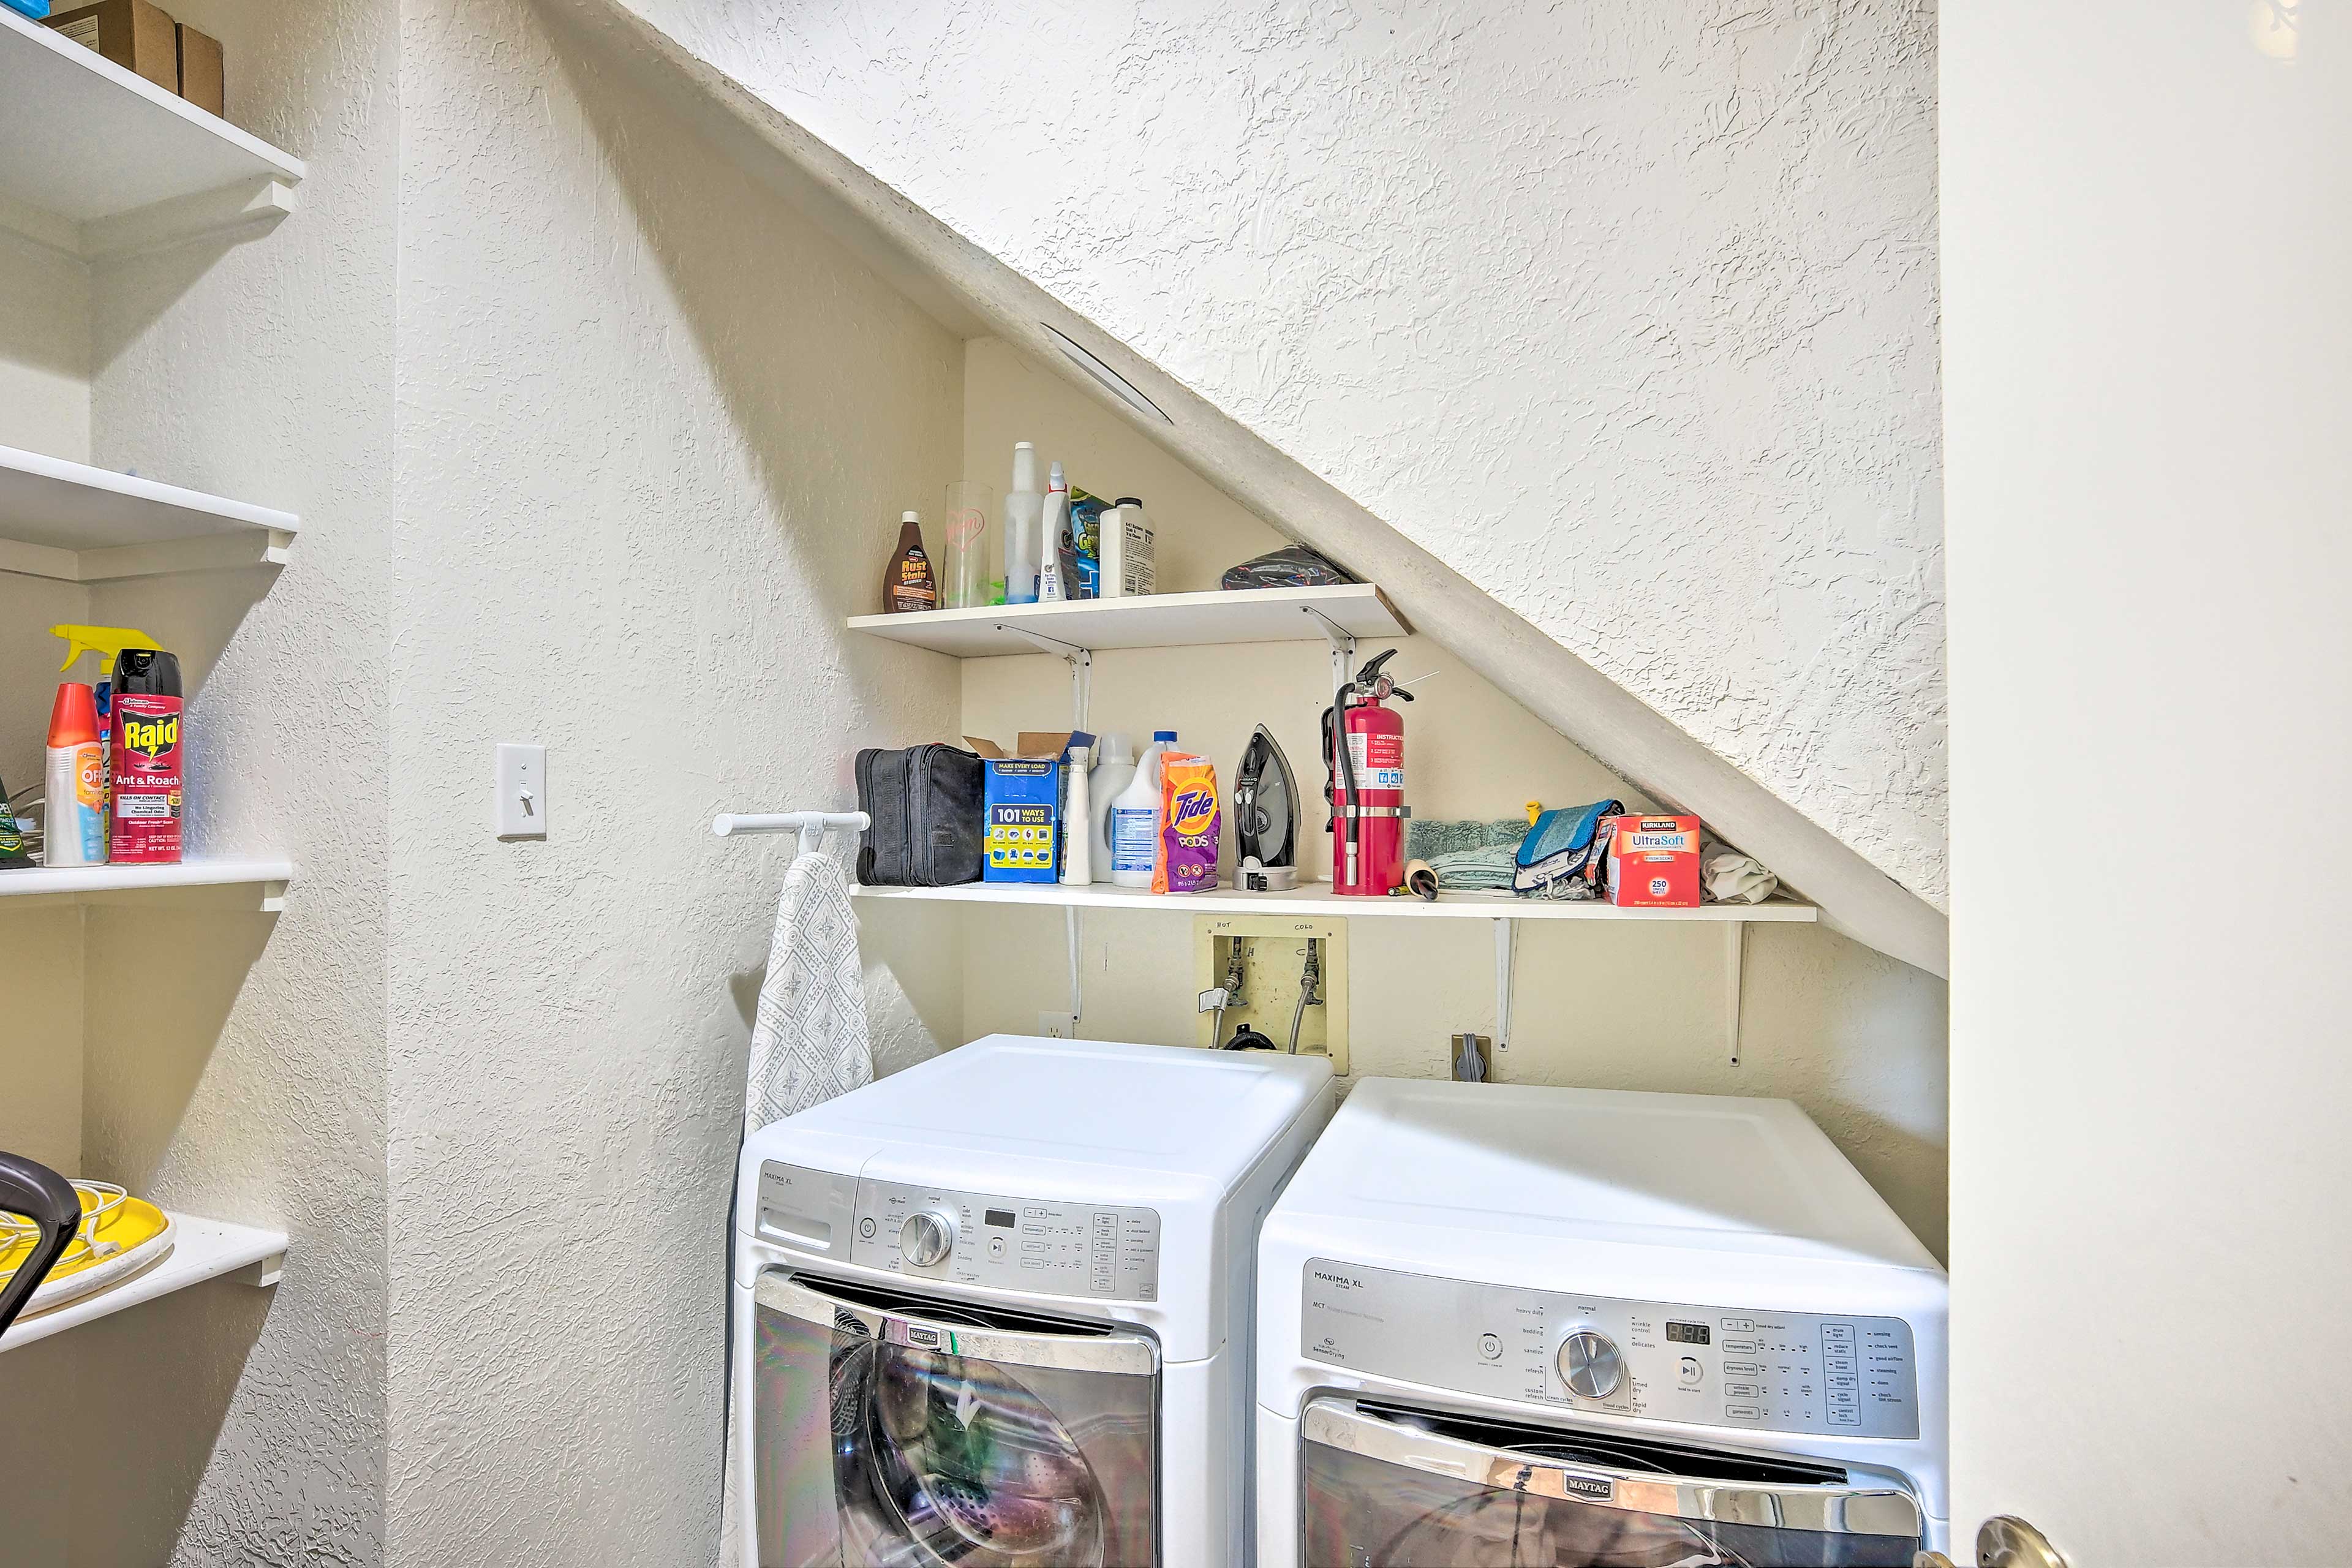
(1364, 781)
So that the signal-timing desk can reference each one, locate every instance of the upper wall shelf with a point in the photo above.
(1154, 620)
(97, 161)
(81, 525)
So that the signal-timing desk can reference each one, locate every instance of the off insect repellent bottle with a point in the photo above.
(76, 786)
(147, 738)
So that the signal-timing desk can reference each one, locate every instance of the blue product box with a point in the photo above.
(1020, 797)
(36, 9)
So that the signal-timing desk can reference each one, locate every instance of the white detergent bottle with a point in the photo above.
(1135, 818)
(1078, 824)
(1051, 589)
(1105, 784)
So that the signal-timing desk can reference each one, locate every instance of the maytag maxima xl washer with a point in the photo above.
(995, 1310)
(1510, 1325)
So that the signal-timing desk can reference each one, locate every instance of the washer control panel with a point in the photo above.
(1038, 1246)
(1739, 1367)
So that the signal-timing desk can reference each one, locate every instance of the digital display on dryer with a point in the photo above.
(1688, 1335)
(1002, 1219)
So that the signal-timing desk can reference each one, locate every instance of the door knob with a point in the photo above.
(2005, 1542)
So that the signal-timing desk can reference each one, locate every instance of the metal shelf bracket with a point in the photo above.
(1081, 661)
(1506, 943)
(1735, 957)
(1343, 647)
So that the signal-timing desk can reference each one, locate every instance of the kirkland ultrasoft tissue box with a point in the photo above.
(1654, 862)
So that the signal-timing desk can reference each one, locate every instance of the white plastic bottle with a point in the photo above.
(1129, 563)
(1051, 589)
(1135, 818)
(1078, 822)
(1024, 518)
(1109, 779)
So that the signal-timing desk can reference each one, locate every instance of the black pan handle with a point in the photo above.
(49, 1201)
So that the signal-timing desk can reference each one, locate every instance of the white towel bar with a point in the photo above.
(810, 824)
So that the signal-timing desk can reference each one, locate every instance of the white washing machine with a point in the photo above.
(1521, 1326)
(995, 1310)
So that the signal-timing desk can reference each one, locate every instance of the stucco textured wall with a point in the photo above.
(1626, 312)
(231, 1062)
(654, 437)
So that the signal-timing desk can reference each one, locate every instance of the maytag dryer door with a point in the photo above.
(909, 1432)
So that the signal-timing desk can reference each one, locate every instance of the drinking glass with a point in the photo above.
(965, 584)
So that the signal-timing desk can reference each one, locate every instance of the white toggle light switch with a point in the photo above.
(522, 791)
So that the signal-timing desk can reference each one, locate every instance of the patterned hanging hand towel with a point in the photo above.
(809, 1042)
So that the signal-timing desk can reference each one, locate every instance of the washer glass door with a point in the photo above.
(1384, 1485)
(909, 1432)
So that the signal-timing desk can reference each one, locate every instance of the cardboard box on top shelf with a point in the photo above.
(134, 35)
(202, 81)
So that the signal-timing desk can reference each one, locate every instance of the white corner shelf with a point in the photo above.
(148, 884)
(97, 161)
(1152, 620)
(202, 1250)
(81, 525)
(1319, 900)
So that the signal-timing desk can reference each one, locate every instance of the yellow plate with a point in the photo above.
(132, 1236)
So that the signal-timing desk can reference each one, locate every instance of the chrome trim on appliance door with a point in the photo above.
(1121, 1354)
(1839, 1510)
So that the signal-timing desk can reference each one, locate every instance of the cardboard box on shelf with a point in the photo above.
(1021, 804)
(134, 35)
(202, 81)
(1654, 862)
(1022, 799)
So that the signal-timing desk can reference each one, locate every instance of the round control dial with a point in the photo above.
(927, 1238)
(1590, 1365)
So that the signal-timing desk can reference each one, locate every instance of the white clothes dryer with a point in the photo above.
(995, 1310)
(1507, 1326)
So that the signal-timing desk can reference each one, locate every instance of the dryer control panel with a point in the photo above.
(1034, 1246)
(1740, 1367)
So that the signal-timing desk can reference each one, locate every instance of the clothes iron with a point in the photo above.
(1265, 818)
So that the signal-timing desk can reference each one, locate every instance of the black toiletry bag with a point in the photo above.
(927, 823)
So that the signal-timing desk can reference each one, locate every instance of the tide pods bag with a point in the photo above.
(1189, 818)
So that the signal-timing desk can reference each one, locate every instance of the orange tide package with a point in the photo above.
(1189, 820)
(1654, 862)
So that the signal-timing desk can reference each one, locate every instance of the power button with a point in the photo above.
(1490, 1346)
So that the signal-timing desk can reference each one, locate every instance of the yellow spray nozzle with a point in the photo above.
(1535, 809)
(107, 640)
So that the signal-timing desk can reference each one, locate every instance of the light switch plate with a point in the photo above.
(521, 805)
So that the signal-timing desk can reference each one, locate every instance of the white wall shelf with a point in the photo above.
(97, 161)
(1154, 620)
(148, 884)
(81, 525)
(202, 1250)
(1320, 901)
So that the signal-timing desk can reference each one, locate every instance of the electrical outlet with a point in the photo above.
(1059, 1026)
